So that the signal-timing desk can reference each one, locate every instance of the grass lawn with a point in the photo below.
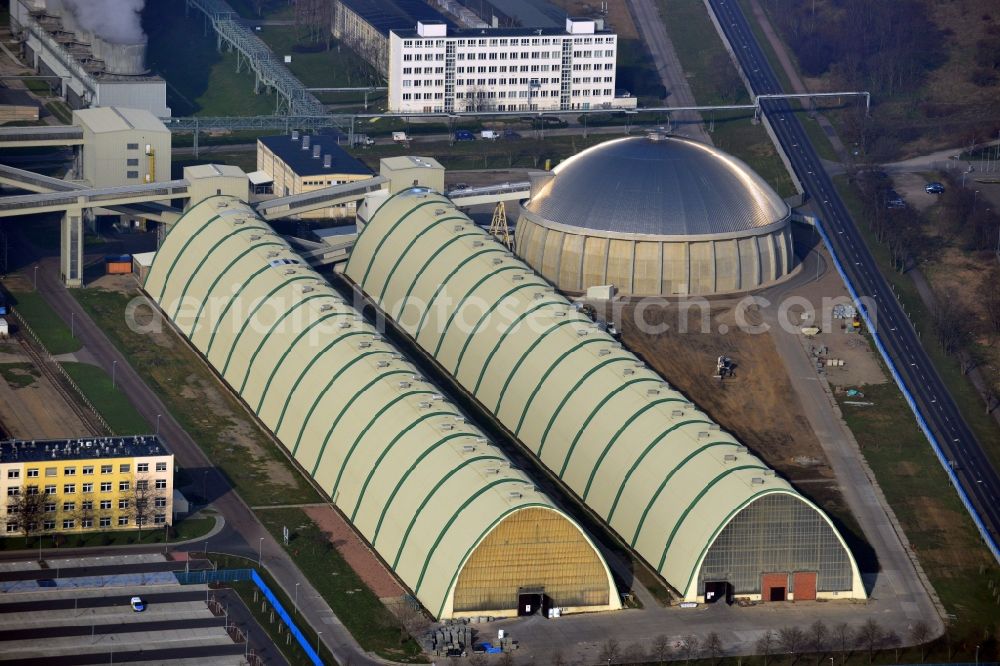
(961, 389)
(714, 80)
(949, 547)
(50, 329)
(261, 611)
(313, 64)
(200, 80)
(19, 375)
(186, 529)
(255, 466)
(107, 400)
(60, 111)
(368, 620)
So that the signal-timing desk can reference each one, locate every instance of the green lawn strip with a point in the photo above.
(964, 393)
(269, 9)
(818, 138)
(110, 402)
(19, 375)
(53, 333)
(714, 80)
(60, 111)
(262, 611)
(181, 379)
(184, 530)
(368, 620)
(313, 64)
(39, 86)
(916, 486)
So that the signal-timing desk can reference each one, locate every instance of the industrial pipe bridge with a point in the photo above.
(291, 97)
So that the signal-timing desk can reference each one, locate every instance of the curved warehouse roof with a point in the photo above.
(659, 471)
(421, 484)
(658, 186)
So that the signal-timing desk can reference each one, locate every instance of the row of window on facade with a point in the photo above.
(88, 505)
(505, 41)
(504, 94)
(544, 55)
(106, 487)
(87, 523)
(123, 468)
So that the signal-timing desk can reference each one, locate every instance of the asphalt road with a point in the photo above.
(119, 628)
(976, 475)
(204, 652)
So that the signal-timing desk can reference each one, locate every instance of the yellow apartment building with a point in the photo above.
(87, 484)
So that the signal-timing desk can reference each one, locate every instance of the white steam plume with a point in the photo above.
(116, 21)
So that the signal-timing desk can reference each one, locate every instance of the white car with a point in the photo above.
(138, 605)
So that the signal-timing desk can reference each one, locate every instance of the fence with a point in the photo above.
(983, 531)
(205, 576)
(52, 362)
(235, 575)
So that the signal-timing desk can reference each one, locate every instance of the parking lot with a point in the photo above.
(79, 611)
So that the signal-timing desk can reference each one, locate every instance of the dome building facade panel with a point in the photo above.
(658, 215)
(662, 475)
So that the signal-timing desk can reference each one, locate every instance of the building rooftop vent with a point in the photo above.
(757, 481)
(317, 149)
(305, 142)
(328, 161)
(295, 135)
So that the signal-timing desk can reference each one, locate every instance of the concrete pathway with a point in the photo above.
(649, 22)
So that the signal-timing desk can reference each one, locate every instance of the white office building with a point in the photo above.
(515, 69)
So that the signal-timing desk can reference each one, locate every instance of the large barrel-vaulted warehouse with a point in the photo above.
(655, 216)
(463, 529)
(691, 500)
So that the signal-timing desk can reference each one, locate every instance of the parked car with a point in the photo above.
(491, 135)
(460, 186)
(138, 605)
(934, 188)
(400, 137)
(893, 200)
(510, 135)
(464, 135)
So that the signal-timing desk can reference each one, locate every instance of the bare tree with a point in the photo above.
(792, 641)
(920, 633)
(661, 648)
(558, 659)
(25, 509)
(691, 648)
(143, 502)
(507, 659)
(818, 639)
(989, 296)
(713, 646)
(842, 635)
(871, 637)
(610, 651)
(950, 320)
(765, 644)
(478, 659)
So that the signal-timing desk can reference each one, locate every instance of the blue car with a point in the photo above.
(464, 135)
(934, 188)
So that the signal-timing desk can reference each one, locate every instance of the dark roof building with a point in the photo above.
(386, 15)
(306, 154)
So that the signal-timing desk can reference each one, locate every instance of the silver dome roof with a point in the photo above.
(657, 185)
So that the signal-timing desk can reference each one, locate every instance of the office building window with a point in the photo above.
(87, 488)
(69, 506)
(32, 472)
(69, 487)
(105, 505)
(161, 484)
(160, 519)
(13, 474)
(86, 523)
(142, 467)
(123, 504)
(161, 466)
(69, 471)
(88, 470)
(105, 486)
(105, 521)
(48, 524)
(124, 468)
(50, 490)
(122, 520)
(123, 486)
(106, 469)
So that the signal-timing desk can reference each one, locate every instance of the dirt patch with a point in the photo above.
(356, 552)
(860, 366)
(236, 428)
(757, 405)
(906, 468)
(936, 521)
(911, 187)
(123, 284)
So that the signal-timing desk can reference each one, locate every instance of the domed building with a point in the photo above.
(658, 215)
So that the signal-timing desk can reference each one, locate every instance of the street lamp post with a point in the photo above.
(158, 424)
(977, 655)
(72, 324)
(318, 634)
(36, 277)
(114, 374)
(260, 551)
(297, 598)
